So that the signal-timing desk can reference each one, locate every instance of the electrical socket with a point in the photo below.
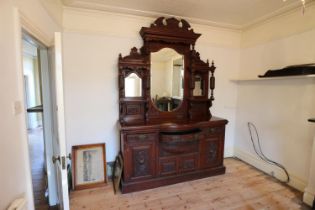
(17, 107)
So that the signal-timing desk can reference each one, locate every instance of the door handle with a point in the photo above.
(55, 159)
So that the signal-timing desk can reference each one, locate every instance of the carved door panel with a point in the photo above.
(212, 152)
(140, 158)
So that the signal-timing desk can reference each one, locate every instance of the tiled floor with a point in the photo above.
(242, 187)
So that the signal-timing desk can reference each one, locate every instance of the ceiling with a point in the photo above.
(227, 13)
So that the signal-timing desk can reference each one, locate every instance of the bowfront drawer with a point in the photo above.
(179, 144)
(179, 138)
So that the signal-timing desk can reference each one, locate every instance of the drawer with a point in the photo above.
(170, 148)
(188, 163)
(213, 131)
(171, 145)
(141, 137)
(179, 138)
(168, 166)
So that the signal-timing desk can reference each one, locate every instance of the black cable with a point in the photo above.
(260, 153)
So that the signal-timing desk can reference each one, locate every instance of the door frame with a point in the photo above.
(22, 24)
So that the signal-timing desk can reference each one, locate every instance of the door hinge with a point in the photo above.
(63, 162)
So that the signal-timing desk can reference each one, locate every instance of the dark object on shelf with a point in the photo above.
(295, 70)
(38, 108)
(311, 120)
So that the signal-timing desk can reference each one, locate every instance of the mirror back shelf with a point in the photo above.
(132, 109)
(199, 101)
(182, 106)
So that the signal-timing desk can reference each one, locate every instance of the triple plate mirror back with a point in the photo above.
(165, 80)
(167, 77)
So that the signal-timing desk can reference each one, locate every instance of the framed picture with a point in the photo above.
(88, 166)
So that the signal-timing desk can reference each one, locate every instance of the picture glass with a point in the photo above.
(90, 166)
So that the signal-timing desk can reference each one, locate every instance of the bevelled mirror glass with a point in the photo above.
(133, 85)
(167, 76)
(198, 90)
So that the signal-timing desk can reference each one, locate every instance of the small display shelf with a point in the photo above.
(274, 78)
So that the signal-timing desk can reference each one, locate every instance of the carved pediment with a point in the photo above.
(134, 60)
(170, 30)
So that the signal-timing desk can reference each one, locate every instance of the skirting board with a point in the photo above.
(228, 152)
(255, 161)
(308, 198)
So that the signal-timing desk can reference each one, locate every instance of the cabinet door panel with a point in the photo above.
(140, 161)
(211, 152)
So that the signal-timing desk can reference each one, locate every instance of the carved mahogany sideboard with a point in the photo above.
(156, 155)
(175, 143)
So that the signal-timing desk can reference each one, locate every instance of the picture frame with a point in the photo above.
(89, 166)
(117, 173)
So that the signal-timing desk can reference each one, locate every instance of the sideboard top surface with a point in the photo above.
(214, 121)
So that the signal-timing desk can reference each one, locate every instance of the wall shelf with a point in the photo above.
(274, 78)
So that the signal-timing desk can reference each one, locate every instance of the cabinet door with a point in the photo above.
(139, 156)
(212, 152)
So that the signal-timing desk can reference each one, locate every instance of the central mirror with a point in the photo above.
(167, 77)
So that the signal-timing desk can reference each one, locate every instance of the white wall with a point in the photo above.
(15, 180)
(92, 42)
(279, 108)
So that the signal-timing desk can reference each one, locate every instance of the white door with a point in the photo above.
(59, 136)
(48, 125)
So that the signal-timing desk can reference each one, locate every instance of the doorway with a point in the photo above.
(39, 122)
